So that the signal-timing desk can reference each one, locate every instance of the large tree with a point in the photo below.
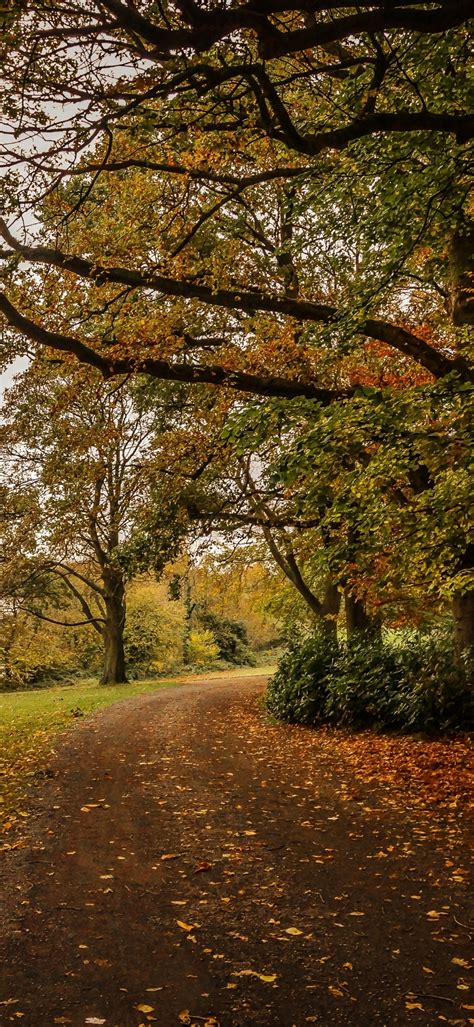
(83, 458)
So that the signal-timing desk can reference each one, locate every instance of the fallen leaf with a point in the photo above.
(461, 962)
(413, 1005)
(293, 930)
(184, 1016)
(267, 978)
(185, 927)
(143, 1008)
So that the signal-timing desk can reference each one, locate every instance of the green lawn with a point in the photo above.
(29, 722)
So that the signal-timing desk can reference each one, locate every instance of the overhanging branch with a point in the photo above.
(301, 310)
(165, 370)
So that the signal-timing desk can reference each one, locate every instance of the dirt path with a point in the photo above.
(188, 855)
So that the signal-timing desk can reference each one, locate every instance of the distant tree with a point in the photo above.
(83, 456)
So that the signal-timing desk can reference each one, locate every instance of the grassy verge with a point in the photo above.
(29, 722)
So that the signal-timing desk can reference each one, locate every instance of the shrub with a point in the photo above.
(365, 677)
(153, 636)
(298, 691)
(412, 683)
(202, 649)
(229, 635)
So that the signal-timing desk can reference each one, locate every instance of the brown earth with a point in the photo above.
(192, 858)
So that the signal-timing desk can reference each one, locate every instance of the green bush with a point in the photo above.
(299, 689)
(365, 677)
(412, 683)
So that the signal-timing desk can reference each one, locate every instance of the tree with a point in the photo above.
(86, 452)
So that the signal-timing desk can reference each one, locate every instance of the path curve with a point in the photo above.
(188, 855)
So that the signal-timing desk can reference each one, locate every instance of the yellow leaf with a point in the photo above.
(267, 978)
(462, 962)
(185, 927)
(143, 1008)
(413, 1005)
(184, 1016)
(292, 930)
(347, 966)
(335, 991)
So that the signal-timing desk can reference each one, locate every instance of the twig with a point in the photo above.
(467, 927)
(426, 994)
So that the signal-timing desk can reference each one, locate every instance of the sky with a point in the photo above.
(7, 376)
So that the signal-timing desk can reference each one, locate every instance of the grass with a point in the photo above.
(31, 720)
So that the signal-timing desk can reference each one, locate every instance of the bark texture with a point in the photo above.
(114, 672)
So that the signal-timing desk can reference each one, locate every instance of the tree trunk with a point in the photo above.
(330, 607)
(114, 672)
(359, 620)
(461, 300)
(188, 614)
(462, 312)
(463, 613)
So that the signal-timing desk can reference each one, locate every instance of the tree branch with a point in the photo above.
(399, 338)
(191, 374)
